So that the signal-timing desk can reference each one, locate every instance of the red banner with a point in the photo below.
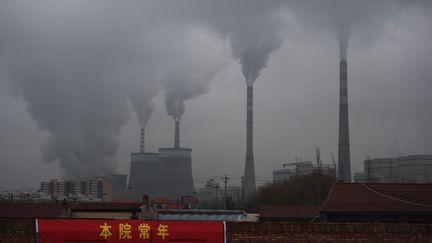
(128, 231)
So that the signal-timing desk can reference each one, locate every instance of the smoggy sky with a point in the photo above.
(79, 78)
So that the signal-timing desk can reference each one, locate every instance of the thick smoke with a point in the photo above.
(76, 63)
(343, 39)
(365, 19)
(180, 87)
(81, 118)
(67, 60)
(254, 29)
(142, 87)
(253, 48)
(188, 72)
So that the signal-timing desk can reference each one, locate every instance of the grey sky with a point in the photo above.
(69, 71)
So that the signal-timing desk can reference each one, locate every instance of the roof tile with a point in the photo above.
(379, 197)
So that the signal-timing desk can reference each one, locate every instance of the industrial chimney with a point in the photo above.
(344, 163)
(142, 141)
(249, 175)
(177, 134)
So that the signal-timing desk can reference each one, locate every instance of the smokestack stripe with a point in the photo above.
(177, 134)
(249, 180)
(344, 161)
(142, 141)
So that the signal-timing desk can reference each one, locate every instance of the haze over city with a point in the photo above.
(79, 78)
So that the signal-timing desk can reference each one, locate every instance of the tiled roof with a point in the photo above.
(105, 205)
(161, 200)
(300, 212)
(379, 197)
(199, 214)
(31, 210)
(58, 209)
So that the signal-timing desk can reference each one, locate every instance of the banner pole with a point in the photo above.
(37, 231)
(224, 232)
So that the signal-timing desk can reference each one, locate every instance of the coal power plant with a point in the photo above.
(344, 163)
(167, 173)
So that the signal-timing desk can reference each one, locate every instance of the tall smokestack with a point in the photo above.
(142, 141)
(249, 175)
(177, 134)
(344, 163)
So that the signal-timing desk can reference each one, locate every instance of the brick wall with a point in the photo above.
(327, 232)
(17, 231)
(23, 231)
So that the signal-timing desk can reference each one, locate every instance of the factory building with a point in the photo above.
(405, 169)
(300, 168)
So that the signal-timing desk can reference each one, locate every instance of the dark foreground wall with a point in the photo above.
(327, 232)
(17, 230)
(23, 231)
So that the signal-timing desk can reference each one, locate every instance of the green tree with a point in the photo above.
(300, 190)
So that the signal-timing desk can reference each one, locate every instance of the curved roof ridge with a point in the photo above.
(394, 198)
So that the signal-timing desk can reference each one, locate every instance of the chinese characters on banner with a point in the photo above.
(69, 230)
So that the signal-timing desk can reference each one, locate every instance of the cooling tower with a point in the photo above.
(175, 171)
(143, 177)
(167, 173)
(118, 186)
(344, 163)
(249, 174)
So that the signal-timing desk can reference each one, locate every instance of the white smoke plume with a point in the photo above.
(188, 72)
(142, 88)
(67, 60)
(76, 63)
(254, 29)
(365, 19)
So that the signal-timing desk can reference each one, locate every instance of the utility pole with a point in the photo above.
(225, 179)
(334, 164)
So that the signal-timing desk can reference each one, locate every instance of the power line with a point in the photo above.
(393, 198)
